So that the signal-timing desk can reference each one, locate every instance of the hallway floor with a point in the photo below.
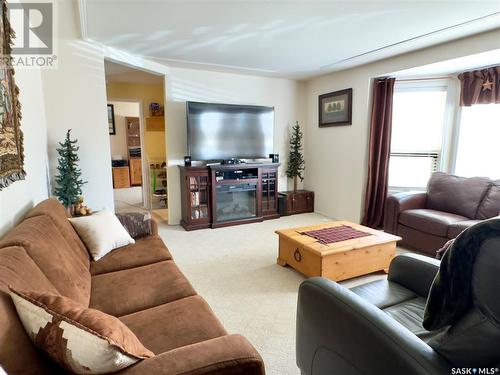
(129, 199)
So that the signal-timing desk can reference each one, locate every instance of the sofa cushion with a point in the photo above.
(490, 205)
(223, 355)
(429, 221)
(456, 228)
(410, 314)
(56, 211)
(127, 291)
(80, 339)
(56, 258)
(18, 355)
(457, 195)
(383, 293)
(417, 240)
(145, 251)
(172, 325)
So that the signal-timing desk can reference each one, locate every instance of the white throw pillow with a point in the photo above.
(101, 232)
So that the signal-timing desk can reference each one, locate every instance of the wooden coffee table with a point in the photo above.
(339, 260)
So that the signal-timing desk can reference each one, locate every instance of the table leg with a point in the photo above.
(281, 262)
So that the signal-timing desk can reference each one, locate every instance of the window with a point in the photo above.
(418, 126)
(478, 151)
(430, 132)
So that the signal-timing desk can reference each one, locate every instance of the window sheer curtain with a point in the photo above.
(379, 152)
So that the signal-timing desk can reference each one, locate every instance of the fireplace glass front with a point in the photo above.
(236, 201)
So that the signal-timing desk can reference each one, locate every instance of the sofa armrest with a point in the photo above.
(339, 332)
(399, 202)
(231, 354)
(415, 272)
(138, 224)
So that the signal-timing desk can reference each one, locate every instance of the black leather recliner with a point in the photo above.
(376, 328)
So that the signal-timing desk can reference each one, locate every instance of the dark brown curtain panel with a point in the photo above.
(379, 153)
(480, 86)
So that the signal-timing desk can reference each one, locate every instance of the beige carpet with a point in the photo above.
(235, 270)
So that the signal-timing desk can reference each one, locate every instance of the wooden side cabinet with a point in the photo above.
(195, 197)
(299, 202)
(135, 171)
(269, 178)
(121, 177)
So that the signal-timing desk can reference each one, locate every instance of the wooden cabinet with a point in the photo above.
(133, 132)
(135, 171)
(195, 198)
(155, 124)
(134, 150)
(298, 202)
(121, 177)
(269, 177)
(222, 195)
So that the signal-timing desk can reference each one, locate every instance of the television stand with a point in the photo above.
(228, 194)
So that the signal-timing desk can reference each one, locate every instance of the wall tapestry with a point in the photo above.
(11, 136)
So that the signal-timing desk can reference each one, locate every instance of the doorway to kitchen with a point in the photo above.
(135, 100)
(126, 155)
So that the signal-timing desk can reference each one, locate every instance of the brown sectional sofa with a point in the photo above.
(426, 221)
(139, 283)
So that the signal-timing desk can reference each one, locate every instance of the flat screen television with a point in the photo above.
(224, 131)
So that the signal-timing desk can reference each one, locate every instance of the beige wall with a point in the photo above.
(336, 157)
(198, 85)
(154, 142)
(118, 141)
(75, 97)
(20, 196)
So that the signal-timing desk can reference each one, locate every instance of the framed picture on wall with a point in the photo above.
(335, 108)
(111, 119)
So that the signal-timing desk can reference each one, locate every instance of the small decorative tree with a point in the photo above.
(296, 162)
(69, 183)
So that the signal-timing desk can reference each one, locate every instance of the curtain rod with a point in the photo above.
(423, 79)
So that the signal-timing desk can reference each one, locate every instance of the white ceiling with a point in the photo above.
(121, 73)
(296, 39)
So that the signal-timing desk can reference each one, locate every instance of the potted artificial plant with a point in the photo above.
(296, 162)
(68, 180)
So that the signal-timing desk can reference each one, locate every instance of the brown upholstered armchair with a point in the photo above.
(426, 221)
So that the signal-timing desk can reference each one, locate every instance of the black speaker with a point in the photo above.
(187, 161)
(275, 158)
